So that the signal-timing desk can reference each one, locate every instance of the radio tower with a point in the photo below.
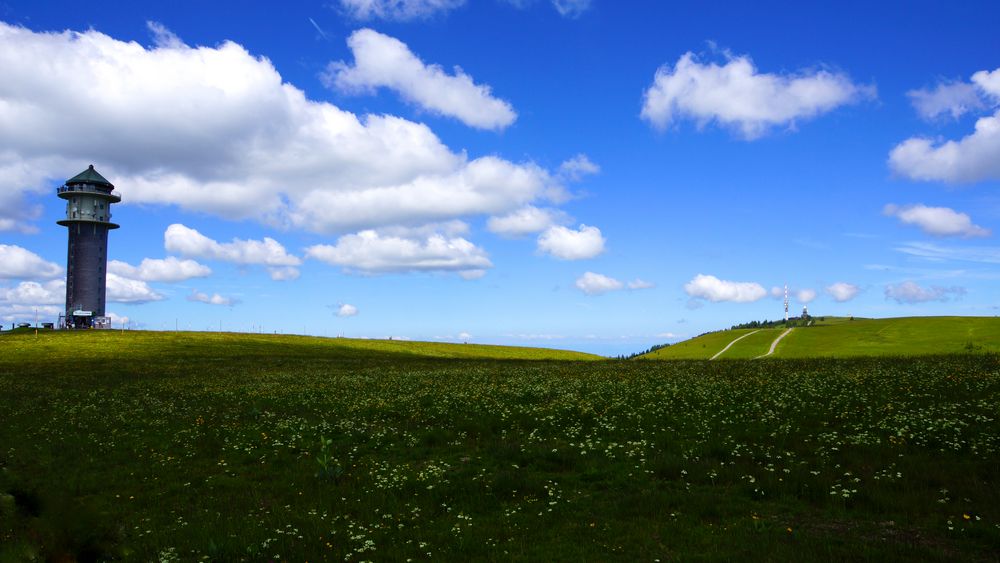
(786, 302)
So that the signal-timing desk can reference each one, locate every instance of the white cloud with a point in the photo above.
(910, 292)
(597, 284)
(668, 335)
(777, 292)
(126, 290)
(988, 82)
(472, 274)
(214, 299)
(568, 244)
(842, 291)
(464, 336)
(20, 263)
(525, 221)
(372, 252)
(398, 10)
(217, 130)
(715, 290)
(736, 95)
(381, 61)
(268, 252)
(805, 296)
(13, 312)
(571, 8)
(283, 273)
(162, 37)
(17, 215)
(31, 293)
(347, 310)
(972, 158)
(937, 221)
(640, 284)
(577, 167)
(952, 98)
(118, 320)
(169, 269)
(29, 299)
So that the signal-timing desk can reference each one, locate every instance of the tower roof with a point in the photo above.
(90, 176)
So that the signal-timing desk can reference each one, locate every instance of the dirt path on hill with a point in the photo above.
(731, 343)
(775, 343)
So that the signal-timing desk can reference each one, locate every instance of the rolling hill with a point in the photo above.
(109, 345)
(841, 338)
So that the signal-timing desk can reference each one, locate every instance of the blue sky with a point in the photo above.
(594, 175)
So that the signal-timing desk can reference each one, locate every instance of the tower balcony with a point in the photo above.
(65, 192)
(87, 221)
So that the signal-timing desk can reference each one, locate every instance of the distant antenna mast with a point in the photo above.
(786, 302)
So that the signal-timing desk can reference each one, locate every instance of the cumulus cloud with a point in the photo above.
(972, 158)
(715, 290)
(381, 61)
(525, 221)
(126, 290)
(374, 253)
(947, 98)
(568, 244)
(398, 10)
(737, 96)
(268, 252)
(214, 299)
(909, 292)
(937, 221)
(597, 284)
(347, 310)
(640, 284)
(21, 263)
(577, 167)
(31, 293)
(17, 214)
(842, 291)
(805, 296)
(118, 320)
(169, 269)
(29, 299)
(217, 130)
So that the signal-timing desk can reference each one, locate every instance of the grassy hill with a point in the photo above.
(840, 337)
(70, 346)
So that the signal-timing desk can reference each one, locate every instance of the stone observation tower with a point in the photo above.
(88, 215)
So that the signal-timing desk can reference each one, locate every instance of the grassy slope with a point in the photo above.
(841, 337)
(700, 348)
(134, 345)
(755, 345)
(902, 336)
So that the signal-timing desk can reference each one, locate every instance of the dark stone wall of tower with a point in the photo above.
(86, 277)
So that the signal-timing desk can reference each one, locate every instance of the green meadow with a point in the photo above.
(188, 447)
(838, 337)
